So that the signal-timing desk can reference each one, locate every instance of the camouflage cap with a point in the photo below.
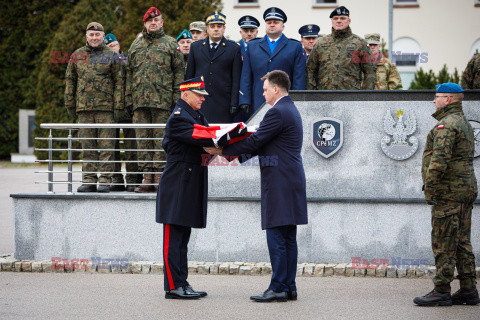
(373, 38)
(94, 26)
(198, 26)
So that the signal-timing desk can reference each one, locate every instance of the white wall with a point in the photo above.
(446, 29)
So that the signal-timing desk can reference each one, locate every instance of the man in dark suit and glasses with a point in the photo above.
(278, 143)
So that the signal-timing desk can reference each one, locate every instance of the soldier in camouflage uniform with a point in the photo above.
(341, 60)
(129, 142)
(154, 68)
(450, 187)
(93, 92)
(184, 41)
(471, 75)
(388, 77)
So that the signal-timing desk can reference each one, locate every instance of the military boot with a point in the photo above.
(466, 296)
(146, 183)
(156, 180)
(433, 299)
(87, 188)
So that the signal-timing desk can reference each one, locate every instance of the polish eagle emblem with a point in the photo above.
(399, 128)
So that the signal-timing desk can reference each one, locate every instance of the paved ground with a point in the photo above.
(109, 296)
(20, 179)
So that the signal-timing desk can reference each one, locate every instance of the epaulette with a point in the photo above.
(294, 39)
(178, 111)
(255, 39)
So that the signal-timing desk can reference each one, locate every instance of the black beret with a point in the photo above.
(340, 11)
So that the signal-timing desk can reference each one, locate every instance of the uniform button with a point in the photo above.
(211, 73)
(189, 169)
(211, 62)
(269, 61)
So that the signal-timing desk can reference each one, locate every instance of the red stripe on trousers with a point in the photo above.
(165, 253)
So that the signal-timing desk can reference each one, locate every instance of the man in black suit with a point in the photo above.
(219, 61)
(278, 143)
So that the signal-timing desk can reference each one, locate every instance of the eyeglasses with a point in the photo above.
(436, 97)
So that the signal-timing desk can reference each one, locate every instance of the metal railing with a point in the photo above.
(70, 151)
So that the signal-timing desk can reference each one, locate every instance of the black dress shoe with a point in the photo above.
(117, 188)
(292, 295)
(181, 293)
(270, 296)
(190, 289)
(433, 299)
(103, 189)
(466, 296)
(87, 188)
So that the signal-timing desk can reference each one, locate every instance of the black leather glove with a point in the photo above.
(245, 107)
(237, 132)
(72, 113)
(223, 141)
(234, 110)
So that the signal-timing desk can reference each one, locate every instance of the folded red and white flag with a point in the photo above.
(218, 131)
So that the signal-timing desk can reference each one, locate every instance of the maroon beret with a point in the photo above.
(151, 13)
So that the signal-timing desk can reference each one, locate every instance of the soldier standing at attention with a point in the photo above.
(154, 68)
(248, 30)
(129, 134)
(198, 29)
(471, 75)
(341, 60)
(219, 61)
(184, 41)
(93, 92)
(273, 52)
(309, 34)
(388, 77)
(450, 188)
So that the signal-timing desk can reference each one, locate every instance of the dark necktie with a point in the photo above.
(212, 51)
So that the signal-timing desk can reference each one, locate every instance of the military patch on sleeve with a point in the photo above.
(440, 126)
(351, 46)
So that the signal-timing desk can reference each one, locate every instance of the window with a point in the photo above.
(477, 3)
(405, 4)
(408, 56)
(324, 4)
(246, 2)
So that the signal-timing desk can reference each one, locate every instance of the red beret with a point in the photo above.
(151, 13)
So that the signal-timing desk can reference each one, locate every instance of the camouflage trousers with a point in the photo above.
(129, 156)
(451, 228)
(150, 115)
(89, 168)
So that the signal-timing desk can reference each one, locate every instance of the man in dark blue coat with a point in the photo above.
(248, 30)
(182, 192)
(278, 143)
(219, 61)
(272, 52)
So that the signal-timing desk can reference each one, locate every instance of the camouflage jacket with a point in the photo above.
(154, 70)
(339, 62)
(471, 75)
(388, 77)
(93, 80)
(447, 166)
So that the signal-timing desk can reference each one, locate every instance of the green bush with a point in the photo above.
(427, 80)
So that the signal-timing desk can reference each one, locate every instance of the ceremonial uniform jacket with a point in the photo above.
(183, 189)
(258, 60)
(447, 166)
(340, 61)
(278, 143)
(221, 76)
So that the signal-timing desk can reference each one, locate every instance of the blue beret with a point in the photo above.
(448, 87)
(309, 30)
(216, 17)
(184, 35)
(248, 22)
(274, 13)
(340, 11)
(109, 38)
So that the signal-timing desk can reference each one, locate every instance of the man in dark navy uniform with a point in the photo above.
(272, 52)
(184, 178)
(278, 143)
(219, 61)
(248, 30)
(309, 34)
